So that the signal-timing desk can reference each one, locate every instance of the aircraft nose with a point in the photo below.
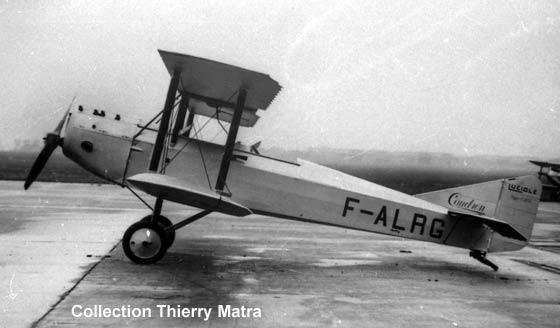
(98, 143)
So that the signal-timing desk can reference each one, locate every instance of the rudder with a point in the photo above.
(518, 203)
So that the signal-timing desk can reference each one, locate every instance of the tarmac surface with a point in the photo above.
(60, 250)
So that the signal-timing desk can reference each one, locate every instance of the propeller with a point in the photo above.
(52, 140)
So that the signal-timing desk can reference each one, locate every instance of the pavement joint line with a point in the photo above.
(541, 266)
(63, 297)
(547, 248)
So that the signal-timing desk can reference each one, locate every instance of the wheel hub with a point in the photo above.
(145, 243)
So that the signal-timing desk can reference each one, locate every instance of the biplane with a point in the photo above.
(166, 159)
(549, 174)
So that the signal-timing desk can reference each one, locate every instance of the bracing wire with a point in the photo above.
(214, 137)
(204, 164)
(167, 140)
(188, 141)
(138, 196)
(197, 132)
(223, 128)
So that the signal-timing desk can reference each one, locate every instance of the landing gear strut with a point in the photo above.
(481, 257)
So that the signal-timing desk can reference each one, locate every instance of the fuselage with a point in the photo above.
(114, 149)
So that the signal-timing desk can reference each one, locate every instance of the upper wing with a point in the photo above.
(180, 191)
(217, 84)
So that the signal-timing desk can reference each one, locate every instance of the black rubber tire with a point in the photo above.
(165, 223)
(126, 242)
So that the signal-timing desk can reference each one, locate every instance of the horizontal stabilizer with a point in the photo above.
(179, 191)
(501, 227)
(553, 166)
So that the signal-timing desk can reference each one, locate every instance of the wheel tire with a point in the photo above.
(164, 223)
(145, 242)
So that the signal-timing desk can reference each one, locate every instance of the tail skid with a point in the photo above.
(481, 257)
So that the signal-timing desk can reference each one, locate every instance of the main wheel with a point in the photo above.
(164, 223)
(145, 242)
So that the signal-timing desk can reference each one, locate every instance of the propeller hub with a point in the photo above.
(53, 139)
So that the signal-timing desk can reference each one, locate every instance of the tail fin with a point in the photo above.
(512, 201)
(518, 203)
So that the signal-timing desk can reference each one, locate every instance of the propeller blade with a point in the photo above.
(51, 142)
(61, 123)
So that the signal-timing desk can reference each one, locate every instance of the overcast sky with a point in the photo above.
(462, 77)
